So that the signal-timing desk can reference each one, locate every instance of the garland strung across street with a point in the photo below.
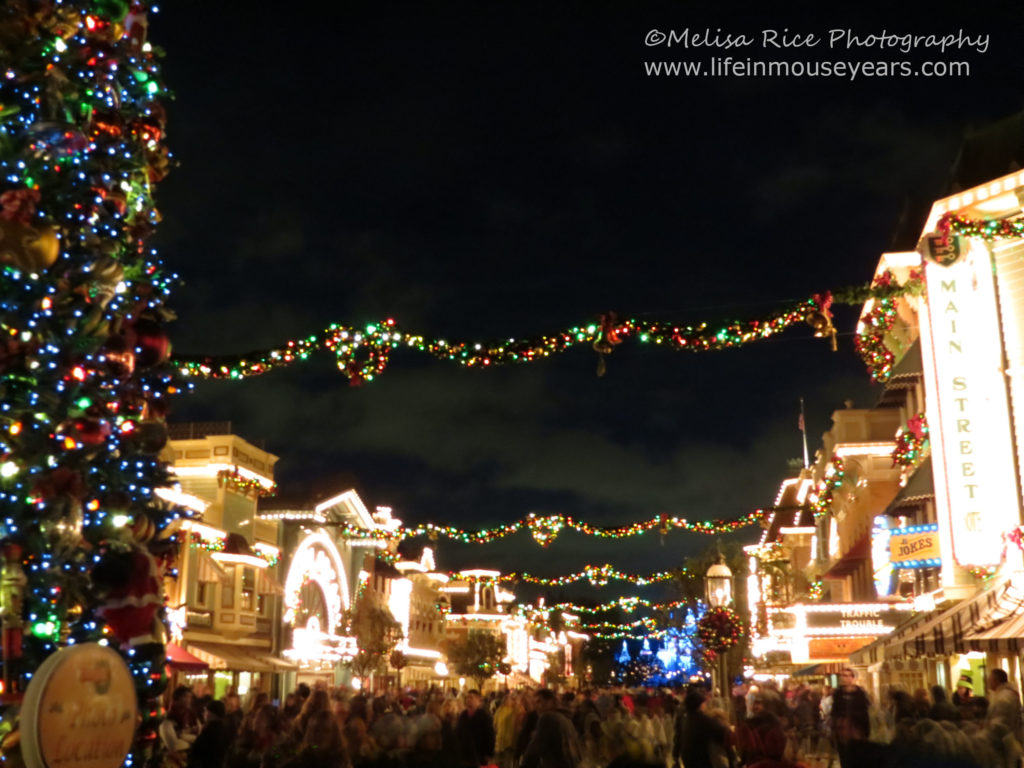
(544, 528)
(363, 353)
(597, 575)
(627, 604)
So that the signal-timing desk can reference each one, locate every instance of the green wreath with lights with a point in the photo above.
(720, 629)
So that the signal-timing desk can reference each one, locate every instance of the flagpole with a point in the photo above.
(803, 430)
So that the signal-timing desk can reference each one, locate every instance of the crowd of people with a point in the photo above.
(761, 727)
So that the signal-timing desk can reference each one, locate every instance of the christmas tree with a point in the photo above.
(84, 534)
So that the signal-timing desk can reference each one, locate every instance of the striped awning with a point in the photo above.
(991, 620)
(208, 569)
(1003, 628)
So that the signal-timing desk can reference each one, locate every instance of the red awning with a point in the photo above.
(851, 559)
(184, 661)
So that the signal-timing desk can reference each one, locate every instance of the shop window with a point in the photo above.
(248, 589)
(202, 593)
(227, 590)
(262, 604)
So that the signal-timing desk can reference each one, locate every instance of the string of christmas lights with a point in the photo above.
(911, 442)
(627, 604)
(363, 353)
(597, 575)
(606, 627)
(245, 485)
(870, 341)
(545, 528)
(986, 229)
(823, 495)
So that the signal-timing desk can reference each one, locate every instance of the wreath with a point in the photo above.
(720, 629)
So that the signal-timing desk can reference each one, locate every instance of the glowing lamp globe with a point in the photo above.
(718, 585)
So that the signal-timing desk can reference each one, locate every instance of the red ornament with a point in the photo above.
(91, 431)
(150, 343)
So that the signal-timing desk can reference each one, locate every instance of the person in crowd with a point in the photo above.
(211, 746)
(506, 720)
(322, 745)
(762, 734)
(258, 700)
(388, 732)
(851, 719)
(261, 741)
(232, 717)
(317, 701)
(179, 728)
(704, 740)
(474, 733)
(964, 690)
(1004, 702)
(554, 742)
(942, 707)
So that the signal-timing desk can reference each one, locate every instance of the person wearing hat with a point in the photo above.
(964, 690)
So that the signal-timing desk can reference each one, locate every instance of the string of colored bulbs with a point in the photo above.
(627, 604)
(597, 575)
(545, 528)
(364, 353)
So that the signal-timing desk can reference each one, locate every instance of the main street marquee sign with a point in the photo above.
(975, 480)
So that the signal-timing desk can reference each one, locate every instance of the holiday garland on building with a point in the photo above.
(246, 486)
(989, 230)
(823, 495)
(877, 324)
(911, 442)
(82, 350)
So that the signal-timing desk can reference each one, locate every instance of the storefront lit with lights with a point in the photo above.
(967, 426)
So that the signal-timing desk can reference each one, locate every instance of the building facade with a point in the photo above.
(967, 403)
(225, 603)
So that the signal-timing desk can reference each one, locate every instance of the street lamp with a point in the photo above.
(718, 591)
(718, 584)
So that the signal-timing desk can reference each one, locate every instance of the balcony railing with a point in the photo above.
(199, 618)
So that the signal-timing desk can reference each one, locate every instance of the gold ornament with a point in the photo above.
(32, 249)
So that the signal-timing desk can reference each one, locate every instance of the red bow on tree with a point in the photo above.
(18, 204)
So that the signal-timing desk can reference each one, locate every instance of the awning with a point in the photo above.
(919, 487)
(267, 584)
(891, 646)
(209, 570)
(979, 623)
(851, 559)
(232, 657)
(182, 660)
(279, 665)
(820, 669)
(1003, 628)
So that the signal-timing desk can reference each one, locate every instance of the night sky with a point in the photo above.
(481, 171)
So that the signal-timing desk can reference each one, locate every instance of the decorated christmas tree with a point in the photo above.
(83, 376)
